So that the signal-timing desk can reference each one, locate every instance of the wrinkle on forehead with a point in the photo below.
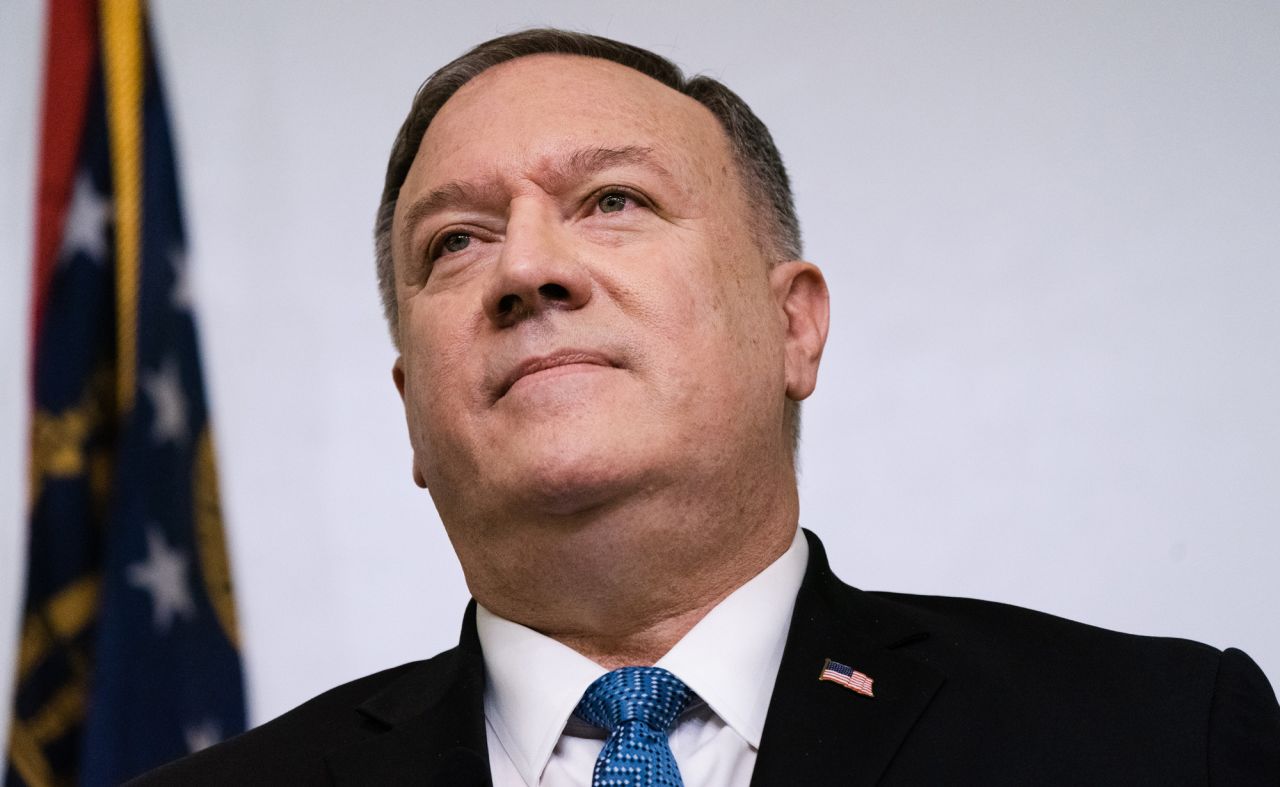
(536, 121)
(553, 174)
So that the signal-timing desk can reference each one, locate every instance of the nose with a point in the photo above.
(536, 270)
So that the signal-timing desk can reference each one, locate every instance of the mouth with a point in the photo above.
(545, 363)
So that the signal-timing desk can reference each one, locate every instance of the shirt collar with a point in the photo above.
(532, 685)
(730, 659)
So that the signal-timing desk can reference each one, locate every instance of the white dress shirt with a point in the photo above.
(729, 660)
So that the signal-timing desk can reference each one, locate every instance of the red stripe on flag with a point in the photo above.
(857, 681)
(71, 49)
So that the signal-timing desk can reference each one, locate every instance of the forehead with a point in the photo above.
(521, 115)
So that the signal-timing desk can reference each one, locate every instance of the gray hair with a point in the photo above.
(759, 165)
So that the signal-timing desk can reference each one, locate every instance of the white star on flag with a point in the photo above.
(165, 390)
(164, 575)
(85, 228)
(202, 735)
(180, 295)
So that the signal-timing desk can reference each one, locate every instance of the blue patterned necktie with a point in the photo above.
(637, 705)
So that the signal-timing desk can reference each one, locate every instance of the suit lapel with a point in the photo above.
(819, 732)
(429, 725)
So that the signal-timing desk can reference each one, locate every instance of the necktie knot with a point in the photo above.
(637, 705)
(649, 695)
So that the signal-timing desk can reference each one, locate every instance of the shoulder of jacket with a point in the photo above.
(291, 746)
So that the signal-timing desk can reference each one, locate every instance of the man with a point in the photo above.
(591, 268)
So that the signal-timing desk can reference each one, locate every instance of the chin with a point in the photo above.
(575, 478)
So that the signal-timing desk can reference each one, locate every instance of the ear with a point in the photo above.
(800, 291)
(397, 375)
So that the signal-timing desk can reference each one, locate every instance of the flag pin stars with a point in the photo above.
(848, 677)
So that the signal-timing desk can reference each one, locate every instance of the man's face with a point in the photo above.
(583, 311)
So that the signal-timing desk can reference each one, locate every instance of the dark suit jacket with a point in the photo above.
(966, 692)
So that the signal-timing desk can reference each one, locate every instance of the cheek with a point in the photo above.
(670, 301)
(734, 329)
(435, 345)
(693, 331)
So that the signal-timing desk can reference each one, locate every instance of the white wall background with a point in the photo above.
(1050, 231)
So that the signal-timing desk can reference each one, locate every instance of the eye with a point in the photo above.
(454, 242)
(613, 202)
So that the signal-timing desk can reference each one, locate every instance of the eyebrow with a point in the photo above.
(579, 165)
(589, 161)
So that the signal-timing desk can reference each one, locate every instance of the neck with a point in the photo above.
(622, 584)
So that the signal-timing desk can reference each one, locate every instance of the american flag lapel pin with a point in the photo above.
(848, 677)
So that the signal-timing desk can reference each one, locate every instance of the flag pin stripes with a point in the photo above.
(848, 677)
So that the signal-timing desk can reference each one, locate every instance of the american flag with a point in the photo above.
(848, 677)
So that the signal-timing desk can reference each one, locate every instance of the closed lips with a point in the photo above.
(542, 363)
